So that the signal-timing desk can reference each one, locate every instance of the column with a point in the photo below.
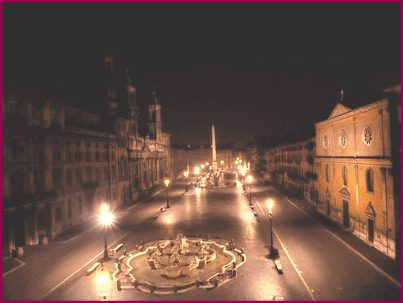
(357, 197)
(52, 220)
(34, 225)
(158, 169)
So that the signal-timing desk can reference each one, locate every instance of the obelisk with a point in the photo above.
(213, 148)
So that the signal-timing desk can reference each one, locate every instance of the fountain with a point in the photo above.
(178, 265)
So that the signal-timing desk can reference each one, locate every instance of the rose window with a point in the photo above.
(343, 139)
(325, 141)
(367, 136)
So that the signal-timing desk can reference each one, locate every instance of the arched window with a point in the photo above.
(369, 176)
(344, 175)
(16, 183)
(327, 172)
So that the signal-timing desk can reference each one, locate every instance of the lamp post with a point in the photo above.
(222, 164)
(103, 279)
(186, 174)
(249, 178)
(243, 174)
(106, 219)
(166, 182)
(196, 171)
(273, 251)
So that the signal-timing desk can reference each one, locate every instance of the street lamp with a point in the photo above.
(186, 174)
(249, 178)
(103, 279)
(202, 166)
(222, 164)
(207, 164)
(166, 182)
(196, 171)
(273, 250)
(106, 219)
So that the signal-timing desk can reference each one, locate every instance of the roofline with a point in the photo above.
(361, 109)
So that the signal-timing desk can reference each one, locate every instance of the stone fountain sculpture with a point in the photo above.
(180, 256)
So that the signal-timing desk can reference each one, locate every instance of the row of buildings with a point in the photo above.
(350, 169)
(60, 163)
(191, 156)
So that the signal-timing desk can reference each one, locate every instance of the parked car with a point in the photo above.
(203, 184)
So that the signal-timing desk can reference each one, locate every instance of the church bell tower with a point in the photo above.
(154, 118)
(110, 93)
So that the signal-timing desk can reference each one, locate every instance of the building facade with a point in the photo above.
(60, 163)
(357, 166)
(291, 166)
(194, 156)
(350, 170)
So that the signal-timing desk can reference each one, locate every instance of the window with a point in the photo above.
(343, 139)
(58, 213)
(57, 178)
(16, 183)
(69, 178)
(370, 180)
(327, 172)
(114, 172)
(37, 112)
(88, 155)
(344, 175)
(106, 174)
(56, 154)
(79, 176)
(18, 150)
(37, 153)
(88, 171)
(69, 209)
(38, 175)
(80, 206)
(98, 174)
(367, 136)
(78, 155)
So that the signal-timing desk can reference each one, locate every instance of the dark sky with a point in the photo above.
(261, 68)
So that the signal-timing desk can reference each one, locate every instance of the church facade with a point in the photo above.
(60, 163)
(350, 170)
(359, 171)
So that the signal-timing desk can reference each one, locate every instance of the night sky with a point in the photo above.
(254, 69)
